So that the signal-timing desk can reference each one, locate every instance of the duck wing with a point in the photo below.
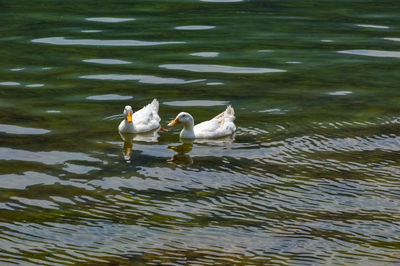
(219, 126)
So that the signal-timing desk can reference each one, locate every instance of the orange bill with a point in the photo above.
(129, 117)
(173, 122)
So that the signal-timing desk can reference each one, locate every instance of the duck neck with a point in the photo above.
(187, 131)
(129, 126)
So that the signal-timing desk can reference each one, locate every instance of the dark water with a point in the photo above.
(312, 175)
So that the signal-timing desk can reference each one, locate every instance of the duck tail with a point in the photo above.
(229, 114)
(229, 111)
(155, 105)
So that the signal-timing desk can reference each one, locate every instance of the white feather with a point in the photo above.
(143, 120)
(219, 126)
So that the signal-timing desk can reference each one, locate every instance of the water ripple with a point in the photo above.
(205, 54)
(36, 203)
(12, 129)
(91, 31)
(9, 83)
(220, 69)
(109, 97)
(196, 103)
(14, 181)
(34, 85)
(107, 61)
(195, 27)
(79, 169)
(372, 26)
(311, 177)
(392, 39)
(50, 157)
(221, 1)
(93, 42)
(340, 93)
(140, 78)
(110, 19)
(375, 53)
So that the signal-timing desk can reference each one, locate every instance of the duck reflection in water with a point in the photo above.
(181, 156)
(128, 138)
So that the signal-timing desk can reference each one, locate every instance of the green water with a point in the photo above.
(310, 177)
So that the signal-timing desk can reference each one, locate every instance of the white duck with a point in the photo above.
(219, 126)
(143, 120)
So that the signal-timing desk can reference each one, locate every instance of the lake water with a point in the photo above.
(312, 175)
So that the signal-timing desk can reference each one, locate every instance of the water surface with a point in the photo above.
(310, 177)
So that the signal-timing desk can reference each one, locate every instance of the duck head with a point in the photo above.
(184, 118)
(128, 112)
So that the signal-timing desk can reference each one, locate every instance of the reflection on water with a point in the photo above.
(128, 138)
(225, 141)
(127, 150)
(310, 178)
(181, 155)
